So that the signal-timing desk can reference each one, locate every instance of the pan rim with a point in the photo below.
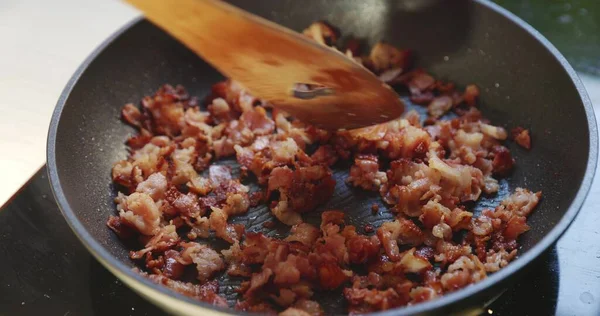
(137, 281)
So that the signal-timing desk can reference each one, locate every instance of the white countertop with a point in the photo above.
(43, 42)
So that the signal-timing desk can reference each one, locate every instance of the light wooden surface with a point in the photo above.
(43, 42)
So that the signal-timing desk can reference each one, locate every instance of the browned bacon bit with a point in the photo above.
(384, 57)
(140, 141)
(390, 75)
(206, 292)
(120, 228)
(420, 82)
(471, 95)
(439, 106)
(365, 173)
(521, 137)
(422, 98)
(132, 115)
(464, 271)
(304, 233)
(173, 268)
(300, 190)
(503, 161)
(261, 308)
(324, 155)
(292, 311)
(364, 300)
(331, 275)
(375, 208)
(176, 196)
(322, 33)
(304, 307)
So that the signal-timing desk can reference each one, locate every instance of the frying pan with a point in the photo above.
(524, 81)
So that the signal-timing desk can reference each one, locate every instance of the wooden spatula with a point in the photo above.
(270, 61)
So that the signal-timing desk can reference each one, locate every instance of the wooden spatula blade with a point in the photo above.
(269, 60)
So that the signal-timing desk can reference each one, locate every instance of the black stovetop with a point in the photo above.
(45, 270)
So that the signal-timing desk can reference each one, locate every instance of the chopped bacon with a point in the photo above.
(402, 231)
(389, 76)
(219, 174)
(310, 307)
(384, 56)
(493, 131)
(218, 223)
(166, 109)
(292, 311)
(176, 199)
(207, 292)
(155, 186)
(464, 271)
(263, 308)
(322, 33)
(365, 173)
(116, 224)
(503, 161)
(471, 95)
(200, 185)
(141, 213)
(522, 202)
(173, 268)
(122, 172)
(300, 190)
(411, 263)
(324, 155)
(521, 137)
(364, 300)
(132, 115)
(206, 259)
(419, 82)
(304, 233)
(439, 106)
(495, 261)
(363, 249)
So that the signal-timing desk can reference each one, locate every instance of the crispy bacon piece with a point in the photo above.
(116, 224)
(503, 161)
(522, 202)
(206, 259)
(401, 231)
(521, 137)
(464, 271)
(384, 56)
(365, 173)
(300, 190)
(471, 95)
(304, 233)
(140, 212)
(439, 106)
(166, 109)
(132, 115)
(331, 275)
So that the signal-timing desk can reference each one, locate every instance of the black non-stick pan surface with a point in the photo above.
(523, 79)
